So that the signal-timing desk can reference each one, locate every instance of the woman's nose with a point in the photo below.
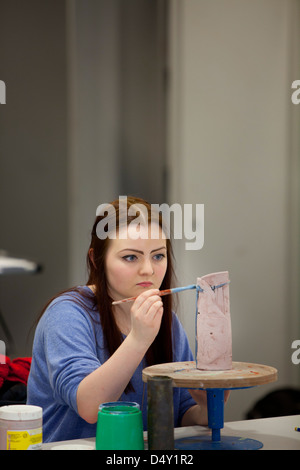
(146, 267)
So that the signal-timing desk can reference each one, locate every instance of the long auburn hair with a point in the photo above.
(161, 350)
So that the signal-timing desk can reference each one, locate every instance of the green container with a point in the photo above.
(119, 426)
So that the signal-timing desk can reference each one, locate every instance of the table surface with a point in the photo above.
(185, 374)
(275, 433)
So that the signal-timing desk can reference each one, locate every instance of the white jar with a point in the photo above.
(21, 427)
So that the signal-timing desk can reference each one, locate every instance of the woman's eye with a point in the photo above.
(129, 258)
(159, 257)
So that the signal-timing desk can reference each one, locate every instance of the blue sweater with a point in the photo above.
(69, 345)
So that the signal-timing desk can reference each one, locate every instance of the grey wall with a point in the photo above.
(116, 89)
(33, 166)
(93, 51)
(234, 147)
(84, 123)
(143, 83)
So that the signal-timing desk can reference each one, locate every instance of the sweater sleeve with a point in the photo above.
(69, 349)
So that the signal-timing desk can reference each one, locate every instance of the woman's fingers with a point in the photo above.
(145, 296)
(146, 314)
(147, 303)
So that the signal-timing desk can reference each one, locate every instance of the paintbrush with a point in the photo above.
(161, 293)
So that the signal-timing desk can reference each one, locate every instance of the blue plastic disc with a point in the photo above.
(226, 443)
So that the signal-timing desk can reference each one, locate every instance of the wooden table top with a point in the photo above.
(186, 375)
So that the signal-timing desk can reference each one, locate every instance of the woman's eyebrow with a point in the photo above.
(141, 252)
(158, 249)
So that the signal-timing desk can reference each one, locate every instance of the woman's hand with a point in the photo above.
(108, 382)
(198, 414)
(146, 315)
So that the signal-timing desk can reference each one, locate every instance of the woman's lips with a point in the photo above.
(145, 284)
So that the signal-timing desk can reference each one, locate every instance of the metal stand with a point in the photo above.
(215, 408)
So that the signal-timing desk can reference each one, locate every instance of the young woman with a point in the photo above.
(87, 351)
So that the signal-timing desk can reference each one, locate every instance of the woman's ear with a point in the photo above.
(91, 256)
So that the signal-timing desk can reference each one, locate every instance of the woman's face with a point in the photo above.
(134, 265)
